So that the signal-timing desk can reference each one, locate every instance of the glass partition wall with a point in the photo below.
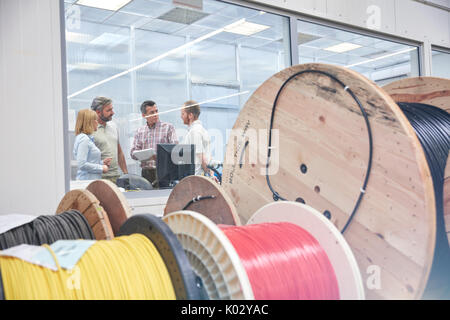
(380, 60)
(170, 51)
(211, 51)
(440, 63)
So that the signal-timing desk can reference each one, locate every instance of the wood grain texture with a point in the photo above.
(112, 200)
(435, 92)
(429, 90)
(85, 202)
(320, 125)
(220, 210)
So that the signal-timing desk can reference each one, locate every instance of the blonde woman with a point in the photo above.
(88, 156)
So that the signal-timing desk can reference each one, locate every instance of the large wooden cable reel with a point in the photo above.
(323, 153)
(433, 91)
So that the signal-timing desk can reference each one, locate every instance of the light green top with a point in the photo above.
(106, 138)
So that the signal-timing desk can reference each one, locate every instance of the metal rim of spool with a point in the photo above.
(212, 256)
(330, 239)
(193, 186)
(87, 203)
(183, 278)
(428, 90)
(112, 200)
(401, 241)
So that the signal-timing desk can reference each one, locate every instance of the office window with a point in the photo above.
(210, 51)
(380, 60)
(440, 64)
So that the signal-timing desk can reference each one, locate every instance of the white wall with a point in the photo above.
(32, 174)
(401, 18)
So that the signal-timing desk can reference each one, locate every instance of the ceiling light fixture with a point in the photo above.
(343, 47)
(246, 28)
(112, 5)
(162, 56)
(379, 58)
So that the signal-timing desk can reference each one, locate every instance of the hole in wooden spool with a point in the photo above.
(303, 168)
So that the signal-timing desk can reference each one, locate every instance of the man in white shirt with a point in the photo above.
(198, 136)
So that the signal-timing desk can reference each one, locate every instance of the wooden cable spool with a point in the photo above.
(112, 200)
(86, 202)
(323, 157)
(220, 209)
(435, 92)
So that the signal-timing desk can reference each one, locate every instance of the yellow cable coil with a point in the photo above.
(127, 267)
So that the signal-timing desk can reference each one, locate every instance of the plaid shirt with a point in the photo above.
(148, 137)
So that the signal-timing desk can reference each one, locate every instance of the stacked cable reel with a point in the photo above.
(103, 205)
(431, 91)
(426, 103)
(343, 146)
(22, 230)
(287, 251)
(144, 260)
(205, 196)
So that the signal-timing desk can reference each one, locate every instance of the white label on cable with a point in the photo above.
(11, 221)
(68, 253)
(33, 254)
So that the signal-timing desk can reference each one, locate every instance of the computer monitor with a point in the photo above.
(174, 162)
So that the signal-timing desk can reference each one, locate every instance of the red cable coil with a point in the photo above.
(283, 262)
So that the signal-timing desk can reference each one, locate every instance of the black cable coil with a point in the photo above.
(275, 194)
(432, 127)
(69, 225)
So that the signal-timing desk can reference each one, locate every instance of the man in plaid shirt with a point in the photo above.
(148, 136)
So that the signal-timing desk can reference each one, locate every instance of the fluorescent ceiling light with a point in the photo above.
(162, 56)
(108, 39)
(382, 57)
(112, 5)
(343, 47)
(246, 28)
(199, 103)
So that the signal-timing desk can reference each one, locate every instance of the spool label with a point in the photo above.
(12, 221)
(67, 252)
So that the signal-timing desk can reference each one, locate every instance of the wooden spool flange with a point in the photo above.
(85, 202)
(220, 210)
(323, 152)
(435, 92)
(112, 200)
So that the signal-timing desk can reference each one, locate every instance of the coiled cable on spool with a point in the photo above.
(127, 267)
(196, 199)
(48, 229)
(276, 195)
(283, 261)
(432, 127)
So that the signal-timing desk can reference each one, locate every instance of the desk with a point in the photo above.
(148, 201)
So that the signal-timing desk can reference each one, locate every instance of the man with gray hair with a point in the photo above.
(106, 138)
